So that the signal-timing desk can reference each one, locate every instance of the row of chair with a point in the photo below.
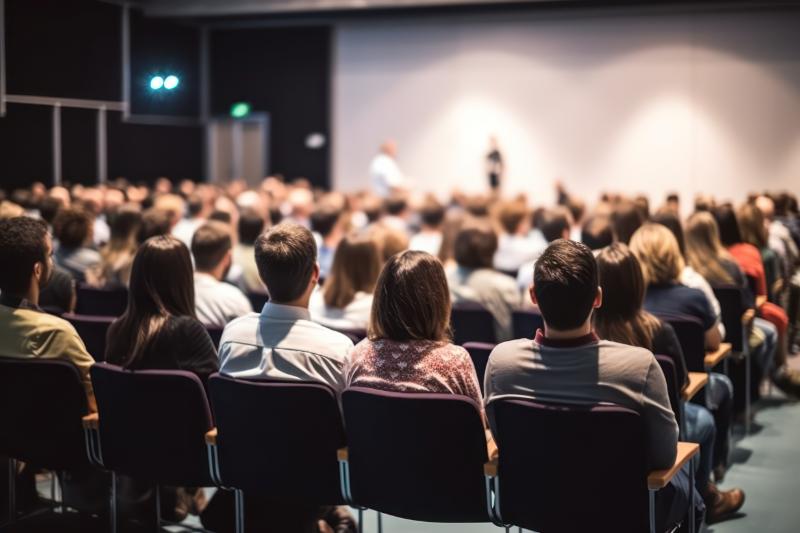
(416, 456)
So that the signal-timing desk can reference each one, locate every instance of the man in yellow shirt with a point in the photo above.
(26, 265)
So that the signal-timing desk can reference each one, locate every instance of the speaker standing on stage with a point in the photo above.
(494, 164)
(386, 176)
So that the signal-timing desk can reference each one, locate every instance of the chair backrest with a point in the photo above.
(472, 322)
(673, 387)
(571, 468)
(100, 302)
(153, 424)
(41, 406)
(525, 323)
(692, 338)
(215, 332)
(257, 300)
(418, 456)
(752, 286)
(479, 352)
(732, 303)
(93, 330)
(278, 439)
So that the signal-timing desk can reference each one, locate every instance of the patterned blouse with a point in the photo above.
(414, 366)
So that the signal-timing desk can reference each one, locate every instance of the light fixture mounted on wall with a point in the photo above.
(169, 82)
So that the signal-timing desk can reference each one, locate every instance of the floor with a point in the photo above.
(766, 465)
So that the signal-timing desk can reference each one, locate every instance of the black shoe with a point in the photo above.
(787, 380)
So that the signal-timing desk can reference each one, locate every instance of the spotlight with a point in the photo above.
(171, 81)
(156, 82)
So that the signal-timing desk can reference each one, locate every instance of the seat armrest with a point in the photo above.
(211, 437)
(760, 300)
(490, 467)
(658, 479)
(748, 316)
(697, 380)
(343, 454)
(714, 358)
(91, 421)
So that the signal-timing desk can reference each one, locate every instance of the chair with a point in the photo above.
(151, 426)
(257, 300)
(418, 456)
(471, 321)
(215, 332)
(290, 455)
(93, 330)
(526, 323)
(691, 337)
(479, 352)
(42, 403)
(670, 371)
(546, 467)
(100, 302)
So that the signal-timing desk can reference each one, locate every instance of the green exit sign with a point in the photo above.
(240, 110)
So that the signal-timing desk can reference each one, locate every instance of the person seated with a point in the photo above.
(396, 212)
(282, 343)
(344, 302)
(217, 302)
(596, 232)
(328, 225)
(408, 348)
(567, 362)
(429, 237)
(622, 319)
(626, 218)
(73, 229)
(474, 279)
(553, 224)
(154, 222)
(251, 224)
(514, 247)
(117, 255)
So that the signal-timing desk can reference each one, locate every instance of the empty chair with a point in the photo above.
(152, 426)
(546, 465)
(42, 403)
(479, 352)
(257, 300)
(472, 322)
(101, 302)
(418, 456)
(93, 330)
(292, 456)
(526, 323)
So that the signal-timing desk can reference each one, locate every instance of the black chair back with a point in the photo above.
(553, 456)
(93, 330)
(692, 338)
(418, 456)
(153, 424)
(472, 322)
(41, 406)
(673, 387)
(732, 304)
(257, 300)
(100, 302)
(479, 352)
(526, 323)
(215, 332)
(289, 453)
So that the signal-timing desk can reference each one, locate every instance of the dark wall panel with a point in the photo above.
(61, 48)
(79, 145)
(26, 146)
(143, 152)
(285, 72)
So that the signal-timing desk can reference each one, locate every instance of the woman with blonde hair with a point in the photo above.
(346, 298)
(117, 255)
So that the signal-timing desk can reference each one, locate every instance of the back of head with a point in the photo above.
(250, 226)
(72, 227)
(372, 206)
(511, 216)
(477, 206)
(23, 243)
(704, 251)
(210, 244)
(390, 240)
(172, 204)
(155, 222)
(475, 245)
(356, 265)
(124, 223)
(565, 284)
(432, 213)
(669, 219)
(285, 256)
(728, 225)
(596, 232)
(412, 299)
(577, 208)
(657, 250)
(766, 205)
(625, 220)
(325, 217)
(396, 204)
(752, 226)
(554, 224)
(621, 318)
(49, 207)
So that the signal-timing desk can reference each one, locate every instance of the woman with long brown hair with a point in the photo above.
(116, 257)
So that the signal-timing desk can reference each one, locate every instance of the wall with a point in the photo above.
(691, 101)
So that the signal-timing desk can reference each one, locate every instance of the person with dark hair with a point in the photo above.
(155, 222)
(596, 232)
(567, 362)
(626, 218)
(251, 225)
(49, 208)
(515, 246)
(327, 221)
(553, 224)
(622, 319)
(411, 317)
(73, 229)
(216, 301)
(197, 209)
(396, 211)
(429, 238)
(474, 279)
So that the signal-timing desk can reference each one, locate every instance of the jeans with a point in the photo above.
(673, 504)
(763, 355)
(700, 428)
(719, 400)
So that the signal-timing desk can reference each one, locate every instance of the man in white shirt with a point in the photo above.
(282, 342)
(384, 172)
(216, 302)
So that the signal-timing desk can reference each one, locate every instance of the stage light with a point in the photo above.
(171, 81)
(240, 110)
(156, 82)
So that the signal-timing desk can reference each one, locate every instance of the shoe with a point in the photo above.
(721, 504)
(788, 381)
(719, 473)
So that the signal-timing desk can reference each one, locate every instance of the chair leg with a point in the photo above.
(652, 499)
(747, 399)
(239, 500)
(360, 520)
(158, 509)
(12, 490)
(380, 522)
(113, 506)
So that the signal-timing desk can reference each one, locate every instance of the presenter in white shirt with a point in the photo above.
(384, 172)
